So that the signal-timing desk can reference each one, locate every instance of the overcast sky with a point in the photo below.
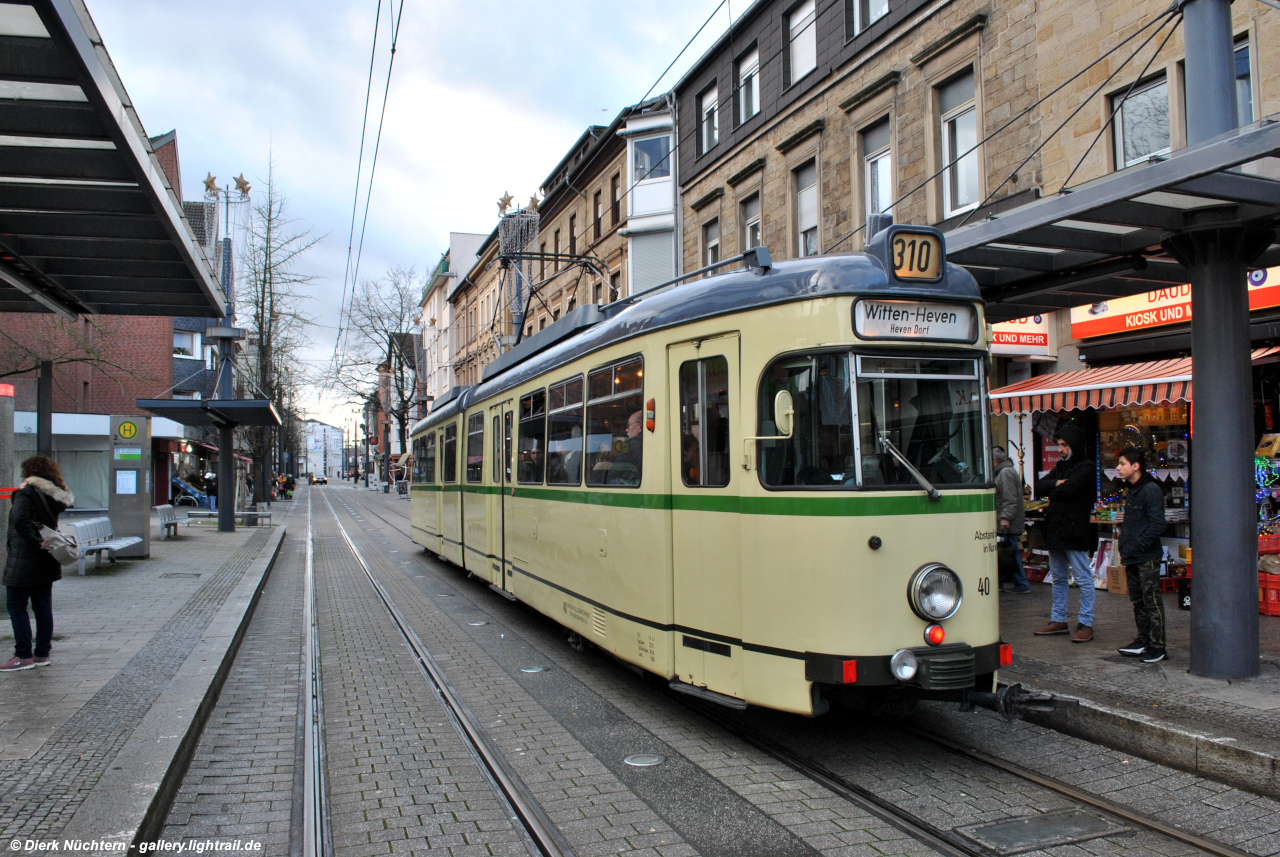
(486, 97)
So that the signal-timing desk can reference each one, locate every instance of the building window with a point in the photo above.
(599, 287)
(615, 201)
(749, 85)
(1244, 84)
(596, 214)
(573, 302)
(1142, 123)
(709, 123)
(802, 46)
(750, 211)
(186, 394)
(653, 158)
(573, 234)
(806, 179)
(186, 343)
(877, 169)
(542, 263)
(867, 12)
(555, 243)
(959, 135)
(711, 242)
(614, 282)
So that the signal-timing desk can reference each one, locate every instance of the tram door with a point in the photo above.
(495, 496)
(705, 427)
(505, 480)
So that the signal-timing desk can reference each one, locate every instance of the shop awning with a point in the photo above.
(1160, 382)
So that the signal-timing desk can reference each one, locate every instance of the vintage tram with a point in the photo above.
(770, 486)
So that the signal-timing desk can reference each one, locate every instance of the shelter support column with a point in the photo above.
(226, 479)
(44, 409)
(1224, 620)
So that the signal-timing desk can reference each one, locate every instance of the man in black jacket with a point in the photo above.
(1141, 552)
(1071, 489)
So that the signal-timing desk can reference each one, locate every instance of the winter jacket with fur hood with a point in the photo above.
(28, 564)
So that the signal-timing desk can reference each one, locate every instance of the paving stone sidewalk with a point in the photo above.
(121, 635)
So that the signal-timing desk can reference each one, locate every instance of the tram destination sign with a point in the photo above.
(924, 320)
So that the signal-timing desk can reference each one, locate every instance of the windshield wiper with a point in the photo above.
(887, 446)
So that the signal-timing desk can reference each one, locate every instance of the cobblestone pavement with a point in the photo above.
(241, 781)
(1246, 709)
(948, 790)
(40, 793)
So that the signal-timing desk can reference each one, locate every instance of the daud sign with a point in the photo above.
(883, 319)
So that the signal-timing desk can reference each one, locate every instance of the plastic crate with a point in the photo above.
(1268, 544)
(1170, 584)
(1269, 594)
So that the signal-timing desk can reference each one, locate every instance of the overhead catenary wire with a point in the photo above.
(1160, 19)
(355, 197)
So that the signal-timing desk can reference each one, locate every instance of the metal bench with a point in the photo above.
(207, 515)
(169, 520)
(96, 536)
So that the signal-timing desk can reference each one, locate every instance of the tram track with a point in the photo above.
(946, 841)
(317, 833)
(522, 806)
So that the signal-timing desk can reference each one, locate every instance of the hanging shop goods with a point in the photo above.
(1149, 406)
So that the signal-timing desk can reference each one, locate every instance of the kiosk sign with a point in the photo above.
(942, 322)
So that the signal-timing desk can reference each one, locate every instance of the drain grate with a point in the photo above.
(1041, 831)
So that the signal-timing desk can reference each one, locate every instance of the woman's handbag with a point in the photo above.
(64, 548)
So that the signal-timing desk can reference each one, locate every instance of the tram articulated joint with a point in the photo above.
(1011, 701)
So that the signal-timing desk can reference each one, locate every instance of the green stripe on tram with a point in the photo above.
(861, 505)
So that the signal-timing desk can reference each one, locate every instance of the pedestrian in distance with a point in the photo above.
(30, 570)
(1068, 533)
(211, 488)
(1010, 517)
(1141, 552)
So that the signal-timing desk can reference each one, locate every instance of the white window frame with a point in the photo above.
(948, 124)
(802, 23)
(859, 24)
(1117, 125)
(709, 119)
(798, 198)
(1243, 44)
(870, 162)
(749, 85)
(756, 222)
(191, 336)
(710, 245)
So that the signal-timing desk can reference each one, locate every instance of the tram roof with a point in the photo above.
(836, 275)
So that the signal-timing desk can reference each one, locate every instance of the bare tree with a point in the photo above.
(380, 353)
(88, 341)
(269, 304)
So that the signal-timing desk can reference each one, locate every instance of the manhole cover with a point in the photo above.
(533, 669)
(186, 574)
(1041, 831)
(644, 760)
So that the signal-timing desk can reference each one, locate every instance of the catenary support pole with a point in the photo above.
(1224, 616)
(44, 409)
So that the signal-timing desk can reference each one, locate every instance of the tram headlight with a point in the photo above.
(903, 665)
(934, 592)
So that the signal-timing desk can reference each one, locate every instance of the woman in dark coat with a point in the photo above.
(30, 570)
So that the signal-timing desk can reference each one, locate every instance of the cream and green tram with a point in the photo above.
(770, 486)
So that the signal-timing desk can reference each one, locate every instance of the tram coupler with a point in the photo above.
(1011, 701)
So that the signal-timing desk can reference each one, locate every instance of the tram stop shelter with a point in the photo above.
(1200, 215)
(89, 223)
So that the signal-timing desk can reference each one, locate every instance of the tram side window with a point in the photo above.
(429, 458)
(497, 450)
(930, 410)
(704, 423)
(820, 451)
(615, 424)
(449, 469)
(415, 473)
(564, 433)
(533, 438)
(475, 447)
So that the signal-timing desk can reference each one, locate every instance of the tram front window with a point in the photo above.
(929, 409)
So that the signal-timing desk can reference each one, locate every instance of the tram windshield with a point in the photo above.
(928, 408)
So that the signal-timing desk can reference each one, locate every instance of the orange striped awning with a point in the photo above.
(1156, 383)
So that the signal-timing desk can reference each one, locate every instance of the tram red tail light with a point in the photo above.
(934, 635)
(1006, 654)
(650, 409)
(850, 672)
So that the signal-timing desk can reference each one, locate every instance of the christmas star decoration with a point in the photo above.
(211, 183)
(242, 184)
(533, 203)
(504, 203)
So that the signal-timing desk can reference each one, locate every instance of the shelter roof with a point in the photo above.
(214, 412)
(1105, 238)
(88, 220)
